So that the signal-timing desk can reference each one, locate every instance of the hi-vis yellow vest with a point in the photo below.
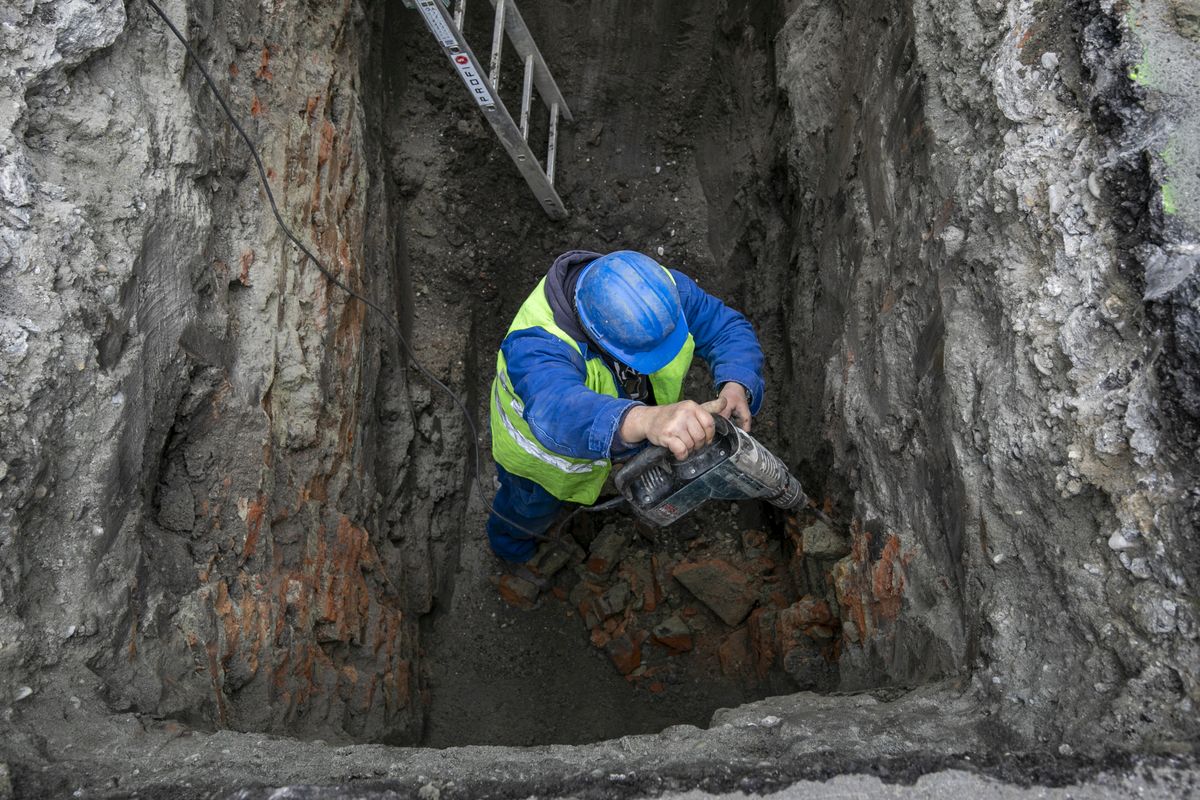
(514, 446)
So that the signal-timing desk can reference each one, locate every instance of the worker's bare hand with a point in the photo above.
(681, 427)
(737, 406)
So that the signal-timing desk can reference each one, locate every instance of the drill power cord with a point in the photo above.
(380, 310)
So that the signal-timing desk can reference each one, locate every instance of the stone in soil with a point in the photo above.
(821, 541)
(553, 556)
(580, 591)
(795, 638)
(735, 654)
(761, 639)
(517, 592)
(674, 634)
(806, 612)
(626, 652)
(1186, 16)
(720, 586)
(605, 553)
(589, 611)
(754, 543)
(804, 661)
(615, 599)
(586, 599)
(639, 573)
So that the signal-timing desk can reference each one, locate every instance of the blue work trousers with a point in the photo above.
(525, 503)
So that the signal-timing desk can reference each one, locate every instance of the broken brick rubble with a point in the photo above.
(517, 592)
(718, 585)
(626, 652)
(674, 634)
(604, 554)
(553, 556)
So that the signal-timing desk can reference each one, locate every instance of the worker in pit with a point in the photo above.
(591, 369)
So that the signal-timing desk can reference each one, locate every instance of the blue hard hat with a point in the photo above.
(630, 307)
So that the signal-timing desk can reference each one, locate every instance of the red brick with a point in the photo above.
(589, 611)
(551, 557)
(674, 634)
(754, 543)
(637, 573)
(654, 596)
(870, 593)
(820, 632)
(763, 639)
(604, 554)
(599, 637)
(720, 586)
(735, 656)
(517, 592)
(615, 600)
(676, 644)
(625, 653)
(809, 610)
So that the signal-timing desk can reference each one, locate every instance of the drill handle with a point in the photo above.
(639, 465)
(654, 456)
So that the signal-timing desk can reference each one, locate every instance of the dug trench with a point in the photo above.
(639, 629)
(242, 544)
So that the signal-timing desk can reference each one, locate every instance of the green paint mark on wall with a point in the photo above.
(1169, 205)
(1169, 153)
(1140, 74)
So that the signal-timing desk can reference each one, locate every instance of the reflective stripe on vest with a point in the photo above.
(514, 445)
(536, 450)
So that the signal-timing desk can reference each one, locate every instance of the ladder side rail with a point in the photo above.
(498, 42)
(523, 43)
(552, 144)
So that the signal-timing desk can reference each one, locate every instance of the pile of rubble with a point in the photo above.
(752, 605)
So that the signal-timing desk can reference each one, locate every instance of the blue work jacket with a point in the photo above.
(571, 419)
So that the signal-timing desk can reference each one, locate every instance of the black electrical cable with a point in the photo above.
(607, 505)
(387, 317)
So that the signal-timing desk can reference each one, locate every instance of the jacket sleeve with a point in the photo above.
(724, 338)
(566, 417)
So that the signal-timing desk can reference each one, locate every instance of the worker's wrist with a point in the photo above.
(734, 384)
(632, 429)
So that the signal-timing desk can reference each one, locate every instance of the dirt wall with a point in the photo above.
(954, 224)
(199, 431)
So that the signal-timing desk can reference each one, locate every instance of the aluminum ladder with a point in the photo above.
(447, 29)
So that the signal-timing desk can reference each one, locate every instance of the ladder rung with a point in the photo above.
(526, 96)
(460, 13)
(552, 147)
(497, 43)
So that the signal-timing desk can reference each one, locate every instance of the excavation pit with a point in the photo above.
(635, 166)
(241, 540)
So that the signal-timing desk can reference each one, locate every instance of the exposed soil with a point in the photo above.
(628, 170)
